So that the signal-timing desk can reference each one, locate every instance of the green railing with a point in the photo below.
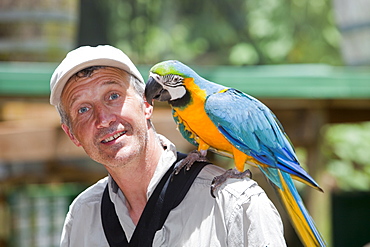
(310, 81)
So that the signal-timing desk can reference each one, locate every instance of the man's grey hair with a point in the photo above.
(87, 72)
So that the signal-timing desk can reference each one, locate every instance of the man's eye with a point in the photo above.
(83, 110)
(114, 96)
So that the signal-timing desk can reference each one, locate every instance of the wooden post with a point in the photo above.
(317, 203)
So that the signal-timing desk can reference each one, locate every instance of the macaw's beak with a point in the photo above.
(155, 91)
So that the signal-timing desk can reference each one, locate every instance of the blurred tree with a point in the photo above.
(348, 158)
(238, 32)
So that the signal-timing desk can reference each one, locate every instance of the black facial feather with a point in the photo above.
(172, 80)
(183, 101)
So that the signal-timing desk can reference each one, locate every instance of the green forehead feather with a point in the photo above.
(170, 67)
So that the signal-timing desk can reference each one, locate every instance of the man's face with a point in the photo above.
(108, 118)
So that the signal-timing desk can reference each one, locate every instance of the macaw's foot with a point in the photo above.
(231, 173)
(192, 157)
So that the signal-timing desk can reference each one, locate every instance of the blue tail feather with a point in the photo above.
(307, 216)
(293, 203)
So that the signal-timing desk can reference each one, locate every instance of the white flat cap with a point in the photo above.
(86, 56)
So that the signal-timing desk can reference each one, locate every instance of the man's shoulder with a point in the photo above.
(91, 195)
(232, 187)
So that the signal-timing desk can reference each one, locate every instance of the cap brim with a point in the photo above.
(58, 89)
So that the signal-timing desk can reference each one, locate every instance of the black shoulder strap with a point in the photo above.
(168, 194)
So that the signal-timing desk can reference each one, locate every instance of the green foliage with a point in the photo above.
(238, 32)
(347, 149)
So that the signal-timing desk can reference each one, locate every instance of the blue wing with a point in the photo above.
(252, 128)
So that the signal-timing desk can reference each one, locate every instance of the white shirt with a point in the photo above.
(240, 215)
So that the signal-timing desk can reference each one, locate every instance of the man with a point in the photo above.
(99, 94)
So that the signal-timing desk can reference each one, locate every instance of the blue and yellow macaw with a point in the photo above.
(232, 123)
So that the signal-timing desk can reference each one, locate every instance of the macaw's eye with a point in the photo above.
(114, 96)
(177, 79)
(83, 110)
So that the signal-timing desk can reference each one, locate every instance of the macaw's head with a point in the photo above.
(167, 81)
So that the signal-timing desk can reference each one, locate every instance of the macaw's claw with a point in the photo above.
(192, 157)
(231, 173)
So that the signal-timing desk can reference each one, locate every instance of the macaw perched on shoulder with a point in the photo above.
(235, 124)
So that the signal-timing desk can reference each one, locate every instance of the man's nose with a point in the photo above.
(104, 117)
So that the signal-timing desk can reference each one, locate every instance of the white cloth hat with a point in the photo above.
(86, 56)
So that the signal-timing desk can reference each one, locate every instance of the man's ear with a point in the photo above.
(70, 135)
(148, 109)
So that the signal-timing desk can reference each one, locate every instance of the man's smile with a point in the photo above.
(114, 137)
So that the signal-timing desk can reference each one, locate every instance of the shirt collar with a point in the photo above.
(168, 157)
